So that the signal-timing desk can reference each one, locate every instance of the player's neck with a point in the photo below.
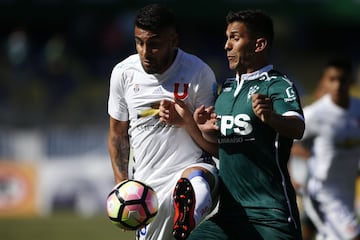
(257, 64)
(343, 102)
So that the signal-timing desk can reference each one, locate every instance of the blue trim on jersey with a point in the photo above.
(196, 173)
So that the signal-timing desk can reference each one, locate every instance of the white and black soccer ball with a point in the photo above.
(131, 204)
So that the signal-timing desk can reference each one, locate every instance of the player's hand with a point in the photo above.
(202, 114)
(206, 119)
(174, 112)
(262, 106)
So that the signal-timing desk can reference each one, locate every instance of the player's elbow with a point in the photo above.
(299, 130)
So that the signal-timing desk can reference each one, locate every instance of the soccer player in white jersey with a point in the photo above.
(165, 156)
(333, 135)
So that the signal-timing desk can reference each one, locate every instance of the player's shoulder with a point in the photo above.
(275, 75)
(315, 103)
(191, 59)
(317, 106)
(130, 62)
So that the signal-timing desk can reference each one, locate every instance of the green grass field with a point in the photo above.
(62, 227)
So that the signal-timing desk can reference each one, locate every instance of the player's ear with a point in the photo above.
(261, 44)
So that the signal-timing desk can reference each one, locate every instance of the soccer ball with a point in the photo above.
(131, 204)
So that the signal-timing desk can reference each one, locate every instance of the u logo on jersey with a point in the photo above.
(184, 93)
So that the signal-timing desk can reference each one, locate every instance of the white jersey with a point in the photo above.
(161, 152)
(334, 133)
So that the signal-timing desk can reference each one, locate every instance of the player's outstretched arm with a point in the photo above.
(119, 148)
(177, 113)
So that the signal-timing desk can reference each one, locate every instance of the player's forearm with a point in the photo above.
(206, 144)
(119, 151)
(210, 137)
(288, 126)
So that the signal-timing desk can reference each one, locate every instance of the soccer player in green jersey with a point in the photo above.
(257, 116)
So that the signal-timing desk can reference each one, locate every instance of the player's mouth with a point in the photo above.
(147, 63)
(230, 58)
(149, 66)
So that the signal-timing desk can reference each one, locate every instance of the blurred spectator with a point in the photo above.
(331, 142)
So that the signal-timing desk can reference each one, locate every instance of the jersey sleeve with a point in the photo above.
(117, 107)
(285, 97)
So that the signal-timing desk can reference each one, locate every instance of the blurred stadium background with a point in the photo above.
(56, 57)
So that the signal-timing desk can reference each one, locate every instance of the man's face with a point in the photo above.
(156, 50)
(238, 46)
(336, 82)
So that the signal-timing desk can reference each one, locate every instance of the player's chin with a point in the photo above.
(149, 67)
(150, 70)
(232, 65)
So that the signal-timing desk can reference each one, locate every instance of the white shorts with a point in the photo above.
(333, 218)
(162, 225)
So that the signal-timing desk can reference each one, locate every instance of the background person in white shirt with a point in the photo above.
(332, 135)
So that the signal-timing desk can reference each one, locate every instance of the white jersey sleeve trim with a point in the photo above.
(293, 113)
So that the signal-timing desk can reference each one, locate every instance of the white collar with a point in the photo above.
(256, 74)
(250, 76)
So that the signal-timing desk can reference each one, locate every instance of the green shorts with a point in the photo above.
(220, 228)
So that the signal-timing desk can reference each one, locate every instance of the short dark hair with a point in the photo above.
(155, 17)
(340, 63)
(258, 23)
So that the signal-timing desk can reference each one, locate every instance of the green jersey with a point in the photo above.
(253, 156)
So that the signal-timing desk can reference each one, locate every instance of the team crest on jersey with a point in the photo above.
(290, 95)
(252, 90)
(181, 93)
(136, 88)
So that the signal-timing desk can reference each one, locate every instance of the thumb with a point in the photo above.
(200, 109)
(181, 103)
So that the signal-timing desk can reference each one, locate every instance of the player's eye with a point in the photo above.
(154, 44)
(139, 42)
(235, 37)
